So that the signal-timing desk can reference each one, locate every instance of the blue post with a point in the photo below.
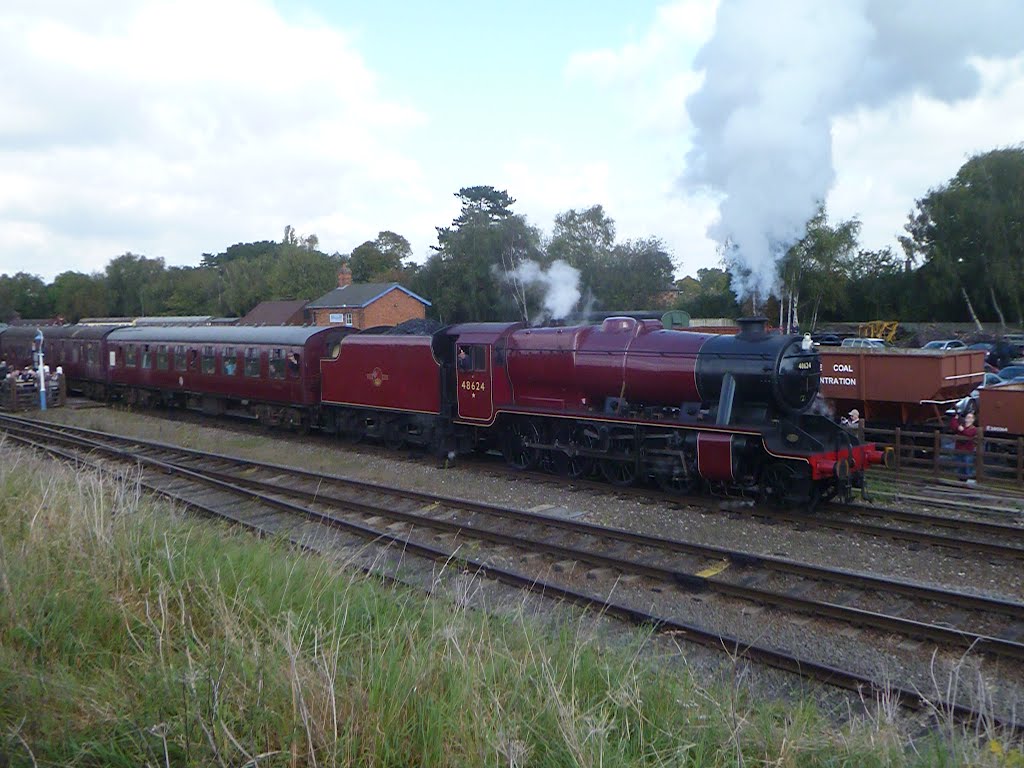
(42, 373)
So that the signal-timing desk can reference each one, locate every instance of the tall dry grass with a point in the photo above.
(132, 635)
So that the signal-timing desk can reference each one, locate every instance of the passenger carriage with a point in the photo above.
(271, 373)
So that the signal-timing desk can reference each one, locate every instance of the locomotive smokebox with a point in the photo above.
(752, 328)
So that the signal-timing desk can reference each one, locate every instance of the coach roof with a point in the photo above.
(292, 335)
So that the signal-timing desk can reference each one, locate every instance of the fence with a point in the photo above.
(24, 395)
(933, 451)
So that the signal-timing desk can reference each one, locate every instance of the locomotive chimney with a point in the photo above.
(344, 276)
(752, 328)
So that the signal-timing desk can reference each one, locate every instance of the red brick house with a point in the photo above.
(365, 305)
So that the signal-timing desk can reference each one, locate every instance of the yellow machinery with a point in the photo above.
(879, 329)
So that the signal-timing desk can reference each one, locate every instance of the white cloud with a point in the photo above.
(170, 128)
(887, 158)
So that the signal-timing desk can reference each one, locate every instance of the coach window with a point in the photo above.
(180, 361)
(90, 353)
(229, 361)
(294, 365)
(161, 357)
(129, 356)
(147, 356)
(252, 362)
(277, 363)
(209, 360)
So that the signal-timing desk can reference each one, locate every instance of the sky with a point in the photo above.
(172, 129)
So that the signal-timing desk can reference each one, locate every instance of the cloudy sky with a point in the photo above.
(170, 129)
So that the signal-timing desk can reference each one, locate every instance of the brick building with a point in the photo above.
(365, 305)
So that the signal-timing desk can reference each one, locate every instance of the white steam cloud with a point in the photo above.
(776, 76)
(560, 283)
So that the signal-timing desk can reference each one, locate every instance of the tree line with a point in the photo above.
(962, 256)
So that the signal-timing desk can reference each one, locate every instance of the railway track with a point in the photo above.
(271, 498)
(966, 531)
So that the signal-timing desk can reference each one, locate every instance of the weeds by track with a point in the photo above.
(301, 505)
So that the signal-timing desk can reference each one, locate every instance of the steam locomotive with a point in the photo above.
(626, 399)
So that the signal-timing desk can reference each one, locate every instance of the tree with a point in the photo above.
(970, 235)
(192, 291)
(818, 267)
(25, 295)
(709, 295)
(133, 281)
(76, 295)
(636, 272)
(239, 251)
(585, 240)
(465, 278)
(379, 258)
(299, 273)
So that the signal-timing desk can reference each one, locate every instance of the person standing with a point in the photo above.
(966, 433)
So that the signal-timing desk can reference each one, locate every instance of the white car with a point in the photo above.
(970, 403)
(946, 344)
(871, 343)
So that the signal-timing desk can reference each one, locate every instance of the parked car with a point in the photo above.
(870, 343)
(945, 344)
(826, 339)
(1011, 372)
(970, 403)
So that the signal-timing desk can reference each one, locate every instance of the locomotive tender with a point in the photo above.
(627, 398)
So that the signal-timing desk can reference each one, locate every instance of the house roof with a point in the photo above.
(273, 312)
(358, 295)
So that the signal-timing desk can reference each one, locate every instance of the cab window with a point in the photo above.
(471, 357)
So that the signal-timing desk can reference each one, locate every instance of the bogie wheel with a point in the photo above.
(514, 444)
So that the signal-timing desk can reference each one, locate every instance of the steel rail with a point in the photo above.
(823, 673)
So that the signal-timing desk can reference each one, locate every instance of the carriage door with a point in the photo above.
(473, 378)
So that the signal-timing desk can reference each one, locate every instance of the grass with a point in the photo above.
(132, 635)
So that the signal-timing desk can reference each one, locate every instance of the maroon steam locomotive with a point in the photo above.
(627, 398)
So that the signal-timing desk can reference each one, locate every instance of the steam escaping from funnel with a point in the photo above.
(776, 76)
(560, 283)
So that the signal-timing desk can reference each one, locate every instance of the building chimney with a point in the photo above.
(344, 276)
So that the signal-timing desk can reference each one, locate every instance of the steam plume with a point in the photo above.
(560, 283)
(778, 73)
